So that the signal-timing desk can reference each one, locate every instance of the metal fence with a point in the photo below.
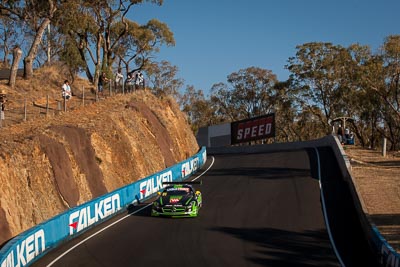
(18, 110)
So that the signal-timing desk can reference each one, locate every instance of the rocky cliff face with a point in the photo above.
(52, 164)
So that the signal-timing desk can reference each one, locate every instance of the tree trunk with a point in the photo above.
(6, 63)
(28, 60)
(17, 54)
(87, 69)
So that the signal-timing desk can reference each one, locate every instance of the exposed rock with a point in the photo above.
(52, 164)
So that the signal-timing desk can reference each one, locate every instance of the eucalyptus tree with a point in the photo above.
(221, 98)
(83, 39)
(305, 125)
(9, 38)
(36, 16)
(140, 42)
(103, 34)
(250, 92)
(362, 103)
(163, 79)
(391, 92)
(351, 82)
(200, 112)
(287, 115)
(317, 73)
(383, 78)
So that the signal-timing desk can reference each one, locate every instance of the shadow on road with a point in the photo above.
(285, 248)
(140, 209)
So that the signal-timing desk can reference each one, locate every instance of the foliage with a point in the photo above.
(33, 17)
(250, 92)
(327, 81)
(198, 109)
(9, 38)
(163, 79)
(99, 30)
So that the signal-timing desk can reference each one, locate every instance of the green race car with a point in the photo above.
(178, 199)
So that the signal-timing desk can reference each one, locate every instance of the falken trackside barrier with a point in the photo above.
(388, 257)
(32, 244)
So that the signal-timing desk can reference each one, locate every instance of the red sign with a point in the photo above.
(253, 129)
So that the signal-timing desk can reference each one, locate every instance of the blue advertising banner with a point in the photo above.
(30, 245)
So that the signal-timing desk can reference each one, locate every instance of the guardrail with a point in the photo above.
(385, 254)
(32, 244)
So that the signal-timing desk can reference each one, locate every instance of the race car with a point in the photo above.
(178, 199)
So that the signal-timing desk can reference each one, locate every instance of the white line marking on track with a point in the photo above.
(325, 213)
(209, 167)
(123, 218)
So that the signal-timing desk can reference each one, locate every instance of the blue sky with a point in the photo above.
(217, 37)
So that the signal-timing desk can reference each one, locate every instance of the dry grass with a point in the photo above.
(378, 182)
(46, 80)
(41, 96)
(378, 178)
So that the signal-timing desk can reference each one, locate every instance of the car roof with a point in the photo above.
(177, 186)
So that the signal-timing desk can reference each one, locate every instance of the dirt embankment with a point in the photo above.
(378, 184)
(52, 164)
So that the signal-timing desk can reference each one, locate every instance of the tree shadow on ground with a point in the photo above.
(389, 163)
(275, 247)
(142, 209)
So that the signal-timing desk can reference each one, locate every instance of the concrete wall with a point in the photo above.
(215, 135)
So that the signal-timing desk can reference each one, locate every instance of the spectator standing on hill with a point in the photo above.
(119, 77)
(340, 134)
(102, 80)
(129, 83)
(347, 132)
(139, 80)
(3, 100)
(66, 90)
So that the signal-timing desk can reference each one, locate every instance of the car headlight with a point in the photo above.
(190, 206)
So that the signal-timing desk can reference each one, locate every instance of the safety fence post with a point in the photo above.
(47, 105)
(25, 110)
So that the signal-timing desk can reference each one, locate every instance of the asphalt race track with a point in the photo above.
(258, 210)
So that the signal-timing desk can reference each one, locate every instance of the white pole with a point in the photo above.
(384, 147)
(48, 44)
(1, 115)
(25, 110)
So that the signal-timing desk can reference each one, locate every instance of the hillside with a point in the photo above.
(55, 162)
(378, 184)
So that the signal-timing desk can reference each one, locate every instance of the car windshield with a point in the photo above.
(176, 191)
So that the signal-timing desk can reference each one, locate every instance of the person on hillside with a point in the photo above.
(66, 90)
(102, 81)
(119, 77)
(129, 82)
(346, 135)
(340, 134)
(139, 80)
(3, 101)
